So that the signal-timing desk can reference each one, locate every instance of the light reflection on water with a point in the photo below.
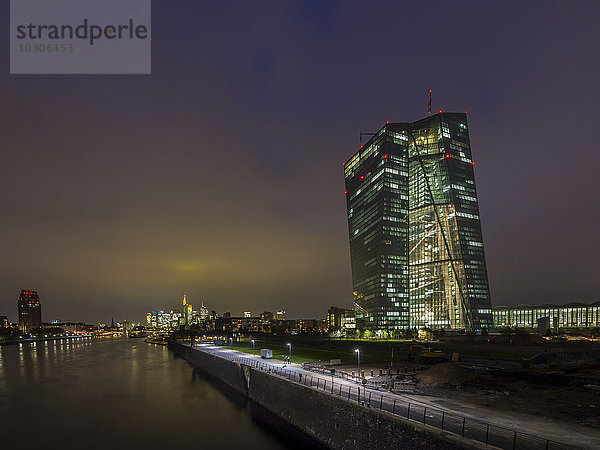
(94, 392)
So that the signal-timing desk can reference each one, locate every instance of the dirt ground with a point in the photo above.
(549, 394)
(511, 382)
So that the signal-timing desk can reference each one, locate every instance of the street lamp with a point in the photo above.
(253, 347)
(358, 359)
(231, 342)
(290, 348)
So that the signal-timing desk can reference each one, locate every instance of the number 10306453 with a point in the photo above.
(45, 48)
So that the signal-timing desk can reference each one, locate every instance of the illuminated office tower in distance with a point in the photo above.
(415, 234)
(30, 311)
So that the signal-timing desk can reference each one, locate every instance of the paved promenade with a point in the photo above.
(497, 428)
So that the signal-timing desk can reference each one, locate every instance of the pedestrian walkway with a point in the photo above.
(494, 428)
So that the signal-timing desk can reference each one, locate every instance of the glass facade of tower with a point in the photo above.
(377, 201)
(427, 199)
(448, 275)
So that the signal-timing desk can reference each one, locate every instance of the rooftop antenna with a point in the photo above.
(429, 104)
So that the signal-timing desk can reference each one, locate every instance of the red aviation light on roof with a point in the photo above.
(472, 163)
(343, 164)
(387, 122)
(362, 177)
(441, 111)
(447, 155)
(361, 146)
(345, 192)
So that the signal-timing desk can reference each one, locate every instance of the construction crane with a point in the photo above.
(429, 104)
(366, 134)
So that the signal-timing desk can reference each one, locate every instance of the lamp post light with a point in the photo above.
(290, 349)
(358, 359)
(253, 347)
(231, 342)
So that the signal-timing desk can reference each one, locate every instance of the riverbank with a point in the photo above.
(327, 411)
(42, 339)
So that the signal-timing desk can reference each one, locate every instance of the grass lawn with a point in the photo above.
(323, 349)
(299, 354)
(302, 352)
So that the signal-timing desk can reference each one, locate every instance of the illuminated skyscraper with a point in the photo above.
(203, 312)
(377, 201)
(415, 234)
(187, 311)
(30, 311)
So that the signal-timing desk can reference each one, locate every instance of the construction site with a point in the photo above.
(522, 375)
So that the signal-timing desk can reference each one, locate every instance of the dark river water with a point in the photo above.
(121, 393)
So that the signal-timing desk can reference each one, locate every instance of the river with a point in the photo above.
(121, 393)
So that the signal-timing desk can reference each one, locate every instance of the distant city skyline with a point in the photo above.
(28, 297)
(220, 173)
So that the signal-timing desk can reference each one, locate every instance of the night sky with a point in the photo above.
(220, 174)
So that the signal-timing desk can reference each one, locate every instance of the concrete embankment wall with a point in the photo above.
(328, 419)
(225, 371)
